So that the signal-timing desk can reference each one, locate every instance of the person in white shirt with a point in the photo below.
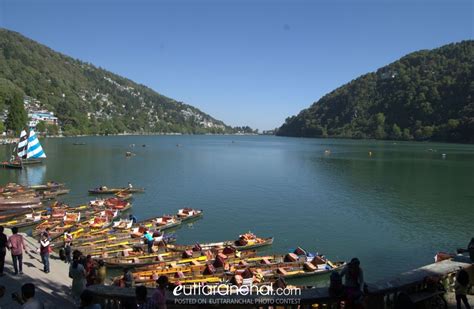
(44, 251)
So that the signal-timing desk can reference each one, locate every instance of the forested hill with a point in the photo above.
(89, 100)
(426, 95)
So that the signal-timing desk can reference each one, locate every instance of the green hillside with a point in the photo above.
(426, 95)
(88, 99)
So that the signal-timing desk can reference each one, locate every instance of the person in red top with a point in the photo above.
(16, 244)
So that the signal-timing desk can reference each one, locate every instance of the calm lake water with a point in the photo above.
(394, 210)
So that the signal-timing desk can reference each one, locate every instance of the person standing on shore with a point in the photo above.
(354, 283)
(44, 251)
(128, 278)
(16, 244)
(67, 246)
(101, 273)
(159, 296)
(77, 273)
(460, 288)
(3, 249)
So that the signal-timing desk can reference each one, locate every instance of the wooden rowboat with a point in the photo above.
(105, 190)
(122, 224)
(159, 260)
(257, 273)
(116, 248)
(48, 186)
(26, 220)
(255, 242)
(186, 214)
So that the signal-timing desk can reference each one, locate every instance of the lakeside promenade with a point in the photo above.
(52, 288)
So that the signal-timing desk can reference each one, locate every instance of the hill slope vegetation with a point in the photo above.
(88, 99)
(426, 95)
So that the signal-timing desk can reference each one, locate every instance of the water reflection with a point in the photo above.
(32, 175)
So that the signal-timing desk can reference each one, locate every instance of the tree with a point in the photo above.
(41, 127)
(380, 130)
(406, 135)
(17, 117)
(52, 129)
(396, 132)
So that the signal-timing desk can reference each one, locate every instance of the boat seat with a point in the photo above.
(291, 257)
(309, 266)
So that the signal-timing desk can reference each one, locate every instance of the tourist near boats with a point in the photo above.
(27, 152)
(106, 190)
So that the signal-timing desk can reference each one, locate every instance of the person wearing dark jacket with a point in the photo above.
(3, 249)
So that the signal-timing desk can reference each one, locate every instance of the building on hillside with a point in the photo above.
(37, 113)
(38, 116)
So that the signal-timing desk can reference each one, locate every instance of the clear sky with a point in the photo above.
(244, 62)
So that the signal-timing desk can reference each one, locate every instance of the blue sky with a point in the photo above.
(244, 62)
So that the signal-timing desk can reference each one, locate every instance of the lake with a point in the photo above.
(394, 209)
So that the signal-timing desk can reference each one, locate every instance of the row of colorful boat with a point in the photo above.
(16, 200)
(99, 229)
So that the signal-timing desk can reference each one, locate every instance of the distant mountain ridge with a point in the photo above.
(91, 100)
(425, 95)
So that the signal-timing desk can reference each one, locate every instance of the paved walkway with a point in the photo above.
(452, 301)
(52, 289)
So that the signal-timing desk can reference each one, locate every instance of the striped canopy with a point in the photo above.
(34, 149)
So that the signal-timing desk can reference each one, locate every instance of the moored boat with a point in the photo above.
(106, 190)
(185, 214)
(50, 185)
(245, 242)
(25, 220)
(122, 224)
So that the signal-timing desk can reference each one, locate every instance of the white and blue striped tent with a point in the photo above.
(34, 149)
(22, 145)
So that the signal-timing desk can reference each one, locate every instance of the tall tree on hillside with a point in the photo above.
(17, 116)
